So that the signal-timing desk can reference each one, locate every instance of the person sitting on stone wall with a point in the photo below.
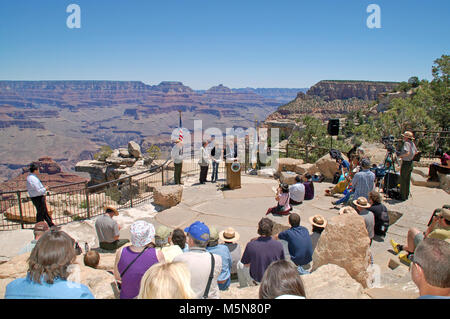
(362, 206)
(39, 230)
(380, 212)
(91, 259)
(108, 230)
(281, 281)
(318, 223)
(200, 262)
(163, 243)
(297, 192)
(443, 167)
(439, 229)
(133, 261)
(166, 281)
(258, 254)
(230, 239)
(430, 269)
(299, 243)
(309, 186)
(179, 238)
(49, 267)
(224, 279)
(282, 197)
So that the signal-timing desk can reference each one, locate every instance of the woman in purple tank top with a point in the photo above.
(134, 260)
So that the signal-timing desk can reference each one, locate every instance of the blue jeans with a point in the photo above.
(215, 170)
(346, 198)
(225, 285)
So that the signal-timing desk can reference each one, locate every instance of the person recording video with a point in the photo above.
(407, 154)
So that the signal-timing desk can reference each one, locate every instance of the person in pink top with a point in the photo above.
(443, 168)
(282, 197)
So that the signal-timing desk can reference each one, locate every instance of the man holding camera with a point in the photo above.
(407, 155)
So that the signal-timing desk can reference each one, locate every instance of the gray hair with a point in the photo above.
(199, 243)
(433, 256)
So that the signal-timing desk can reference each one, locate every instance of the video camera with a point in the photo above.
(388, 142)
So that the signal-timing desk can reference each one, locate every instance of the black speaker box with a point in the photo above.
(333, 127)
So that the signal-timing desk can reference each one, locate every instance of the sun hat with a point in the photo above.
(213, 234)
(229, 235)
(41, 226)
(409, 135)
(198, 230)
(362, 202)
(445, 213)
(142, 233)
(162, 235)
(318, 221)
(285, 187)
(347, 210)
(110, 208)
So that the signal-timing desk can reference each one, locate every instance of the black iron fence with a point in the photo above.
(78, 201)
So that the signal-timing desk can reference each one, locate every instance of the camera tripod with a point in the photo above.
(391, 169)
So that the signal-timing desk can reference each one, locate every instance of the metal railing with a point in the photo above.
(78, 201)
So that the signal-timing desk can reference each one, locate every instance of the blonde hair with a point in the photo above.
(166, 281)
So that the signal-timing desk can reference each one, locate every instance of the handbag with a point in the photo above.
(211, 276)
(129, 265)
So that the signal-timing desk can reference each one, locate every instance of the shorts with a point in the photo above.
(418, 238)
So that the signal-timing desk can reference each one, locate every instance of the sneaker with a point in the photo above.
(404, 257)
(395, 246)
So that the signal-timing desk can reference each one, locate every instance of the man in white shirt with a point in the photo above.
(37, 191)
(297, 192)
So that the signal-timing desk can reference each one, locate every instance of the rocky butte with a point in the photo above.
(330, 99)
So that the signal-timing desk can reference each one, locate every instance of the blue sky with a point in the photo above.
(239, 43)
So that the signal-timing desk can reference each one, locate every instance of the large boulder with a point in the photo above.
(83, 232)
(100, 282)
(444, 182)
(332, 282)
(288, 178)
(345, 242)
(327, 166)
(288, 164)
(167, 196)
(134, 149)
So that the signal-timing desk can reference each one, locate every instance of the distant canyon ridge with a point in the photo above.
(70, 120)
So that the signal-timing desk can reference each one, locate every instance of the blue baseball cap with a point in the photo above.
(198, 230)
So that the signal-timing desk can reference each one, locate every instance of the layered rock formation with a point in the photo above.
(342, 90)
(333, 99)
(69, 119)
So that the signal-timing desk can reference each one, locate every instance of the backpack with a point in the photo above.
(336, 177)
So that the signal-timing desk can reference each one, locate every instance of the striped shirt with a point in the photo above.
(363, 183)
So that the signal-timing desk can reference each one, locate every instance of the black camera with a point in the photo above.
(388, 142)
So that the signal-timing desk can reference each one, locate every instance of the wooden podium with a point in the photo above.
(233, 178)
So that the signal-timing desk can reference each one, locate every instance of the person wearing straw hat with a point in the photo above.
(224, 279)
(407, 154)
(230, 239)
(318, 223)
(108, 230)
(369, 219)
(133, 261)
(163, 243)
